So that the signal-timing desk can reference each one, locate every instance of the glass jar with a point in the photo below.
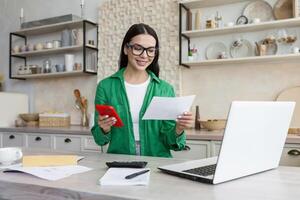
(47, 66)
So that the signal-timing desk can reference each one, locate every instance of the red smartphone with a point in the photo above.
(111, 112)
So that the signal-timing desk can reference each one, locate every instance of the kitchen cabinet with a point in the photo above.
(39, 141)
(1, 143)
(210, 148)
(63, 142)
(196, 150)
(191, 36)
(67, 143)
(29, 50)
(13, 140)
(215, 148)
(291, 155)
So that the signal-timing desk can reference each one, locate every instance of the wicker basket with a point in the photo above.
(54, 120)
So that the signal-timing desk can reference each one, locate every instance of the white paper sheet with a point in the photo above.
(116, 176)
(168, 108)
(51, 173)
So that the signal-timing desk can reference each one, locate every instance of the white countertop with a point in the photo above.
(281, 183)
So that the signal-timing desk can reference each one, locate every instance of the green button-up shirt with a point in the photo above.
(157, 137)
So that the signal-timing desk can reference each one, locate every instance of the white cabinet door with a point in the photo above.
(215, 148)
(13, 140)
(1, 143)
(42, 141)
(290, 155)
(89, 144)
(67, 143)
(198, 150)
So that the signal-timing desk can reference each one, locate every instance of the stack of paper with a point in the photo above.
(50, 173)
(116, 176)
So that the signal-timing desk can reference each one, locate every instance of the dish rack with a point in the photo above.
(54, 120)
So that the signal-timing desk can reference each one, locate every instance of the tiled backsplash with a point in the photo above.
(116, 16)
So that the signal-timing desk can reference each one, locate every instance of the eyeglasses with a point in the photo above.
(138, 50)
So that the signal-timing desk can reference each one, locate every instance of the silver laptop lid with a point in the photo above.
(254, 138)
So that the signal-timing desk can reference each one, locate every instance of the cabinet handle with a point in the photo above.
(294, 152)
(11, 137)
(186, 148)
(38, 139)
(68, 140)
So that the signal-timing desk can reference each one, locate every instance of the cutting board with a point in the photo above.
(11, 105)
(292, 94)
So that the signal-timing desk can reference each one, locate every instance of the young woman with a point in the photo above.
(130, 91)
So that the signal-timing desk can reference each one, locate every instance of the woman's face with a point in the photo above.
(140, 51)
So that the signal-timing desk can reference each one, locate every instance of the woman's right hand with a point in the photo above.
(105, 122)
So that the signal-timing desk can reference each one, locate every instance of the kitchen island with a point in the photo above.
(281, 183)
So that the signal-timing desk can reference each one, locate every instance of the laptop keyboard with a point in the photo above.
(203, 171)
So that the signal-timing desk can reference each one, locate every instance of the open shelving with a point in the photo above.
(46, 29)
(254, 59)
(188, 5)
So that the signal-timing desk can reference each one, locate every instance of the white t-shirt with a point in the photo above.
(136, 94)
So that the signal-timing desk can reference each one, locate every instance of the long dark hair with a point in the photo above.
(135, 30)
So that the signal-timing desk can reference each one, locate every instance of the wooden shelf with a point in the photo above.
(49, 51)
(51, 28)
(256, 59)
(53, 75)
(244, 28)
(192, 4)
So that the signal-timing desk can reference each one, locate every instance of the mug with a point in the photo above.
(10, 155)
(60, 67)
(16, 49)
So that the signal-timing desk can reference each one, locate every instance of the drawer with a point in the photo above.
(13, 140)
(90, 144)
(68, 143)
(197, 150)
(39, 141)
(290, 156)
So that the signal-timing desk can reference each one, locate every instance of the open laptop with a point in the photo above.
(253, 141)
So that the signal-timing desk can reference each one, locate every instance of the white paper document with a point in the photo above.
(50, 173)
(116, 176)
(168, 108)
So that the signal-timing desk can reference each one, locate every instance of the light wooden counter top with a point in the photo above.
(281, 183)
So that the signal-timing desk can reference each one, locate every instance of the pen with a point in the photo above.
(136, 174)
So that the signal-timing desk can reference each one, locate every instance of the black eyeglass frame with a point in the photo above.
(144, 49)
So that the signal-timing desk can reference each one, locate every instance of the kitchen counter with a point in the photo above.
(281, 183)
(192, 134)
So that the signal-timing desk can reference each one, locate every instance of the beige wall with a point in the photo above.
(217, 86)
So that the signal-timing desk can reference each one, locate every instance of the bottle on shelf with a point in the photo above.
(198, 20)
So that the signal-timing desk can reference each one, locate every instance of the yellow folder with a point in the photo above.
(49, 160)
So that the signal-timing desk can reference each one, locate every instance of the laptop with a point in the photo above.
(253, 141)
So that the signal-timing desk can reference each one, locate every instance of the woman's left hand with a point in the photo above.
(184, 121)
